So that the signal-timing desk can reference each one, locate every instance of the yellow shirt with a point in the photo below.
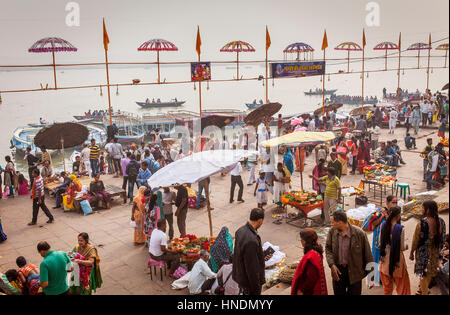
(332, 187)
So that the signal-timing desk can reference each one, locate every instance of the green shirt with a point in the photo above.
(332, 187)
(54, 270)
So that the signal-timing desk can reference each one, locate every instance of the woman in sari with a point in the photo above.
(318, 172)
(309, 278)
(341, 150)
(97, 189)
(138, 216)
(153, 213)
(379, 218)
(74, 187)
(9, 176)
(288, 160)
(88, 261)
(427, 242)
(361, 157)
(29, 276)
(393, 264)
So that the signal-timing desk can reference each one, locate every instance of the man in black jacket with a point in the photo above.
(248, 260)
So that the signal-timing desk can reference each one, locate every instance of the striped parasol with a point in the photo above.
(348, 46)
(298, 48)
(386, 46)
(237, 47)
(418, 47)
(158, 45)
(52, 44)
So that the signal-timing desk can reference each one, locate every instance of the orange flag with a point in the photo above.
(268, 42)
(429, 40)
(105, 36)
(199, 41)
(400, 41)
(364, 39)
(325, 41)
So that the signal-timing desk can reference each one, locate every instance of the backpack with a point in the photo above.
(220, 290)
(133, 170)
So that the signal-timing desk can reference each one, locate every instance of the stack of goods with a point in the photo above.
(302, 200)
(357, 216)
(444, 141)
(376, 170)
(189, 246)
(348, 191)
(272, 255)
(287, 273)
(414, 208)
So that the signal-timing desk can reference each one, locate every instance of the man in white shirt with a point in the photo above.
(200, 273)
(168, 200)
(117, 154)
(268, 168)
(375, 135)
(424, 108)
(236, 179)
(433, 163)
(311, 125)
(109, 158)
(392, 120)
(85, 153)
(158, 248)
(252, 162)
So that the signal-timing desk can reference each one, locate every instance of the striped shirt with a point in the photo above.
(38, 188)
(95, 150)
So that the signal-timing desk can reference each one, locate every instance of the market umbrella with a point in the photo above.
(237, 47)
(419, 47)
(61, 135)
(196, 167)
(361, 111)
(445, 87)
(443, 47)
(219, 121)
(348, 46)
(52, 44)
(262, 114)
(157, 45)
(300, 139)
(328, 108)
(386, 46)
(298, 48)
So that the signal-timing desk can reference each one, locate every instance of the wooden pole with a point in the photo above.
(428, 64)
(107, 82)
(301, 169)
(323, 88)
(64, 159)
(267, 80)
(385, 60)
(237, 65)
(348, 60)
(157, 60)
(200, 94)
(208, 206)
(54, 69)
(398, 79)
(418, 58)
(362, 84)
(445, 62)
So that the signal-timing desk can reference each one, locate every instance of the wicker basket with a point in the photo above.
(287, 274)
(355, 222)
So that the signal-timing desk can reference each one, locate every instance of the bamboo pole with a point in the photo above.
(54, 69)
(348, 60)
(267, 80)
(237, 65)
(323, 88)
(157, 60)
(208, 206)
(362, 84)
(200, 94)
(107, 82)
(428, 63)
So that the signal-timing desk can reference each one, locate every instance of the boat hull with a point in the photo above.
(327, 92)
(158, 105)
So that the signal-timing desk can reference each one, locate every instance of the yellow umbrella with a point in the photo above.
(300, 138)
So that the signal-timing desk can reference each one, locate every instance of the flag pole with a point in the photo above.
(428, 65)
(362, 81)
(200, 92)
(398, 72)
(268, 42)
(267, 88)
(54, 69)
(323, 88)
(105, 44)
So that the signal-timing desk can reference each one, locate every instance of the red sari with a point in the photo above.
(314, 262)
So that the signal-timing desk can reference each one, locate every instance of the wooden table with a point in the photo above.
(115, 191)
(51, 187)
(380, 192)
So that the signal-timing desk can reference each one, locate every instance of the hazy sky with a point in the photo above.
(130, 23)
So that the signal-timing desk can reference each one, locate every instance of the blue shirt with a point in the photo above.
(144, 174)
(153, 165)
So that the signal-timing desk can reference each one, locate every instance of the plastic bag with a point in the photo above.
(133, 224)
(86, 207)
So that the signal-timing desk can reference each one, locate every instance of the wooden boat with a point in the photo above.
(23, 137)
(319, 92)
(349, 101)
(173, 103)
(253, 105)
(92, 118)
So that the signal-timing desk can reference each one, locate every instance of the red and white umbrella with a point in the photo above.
(348, 46)
(52, 44)
(157, 45)
(386, 46)
(237, 47)
(419, 47)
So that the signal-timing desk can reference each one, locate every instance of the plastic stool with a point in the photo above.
(160, 264)
(403, 187)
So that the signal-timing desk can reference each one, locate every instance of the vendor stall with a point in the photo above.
(304, 202)
(380, 180)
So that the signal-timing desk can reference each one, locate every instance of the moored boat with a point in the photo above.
(320, 92)
(172, 103)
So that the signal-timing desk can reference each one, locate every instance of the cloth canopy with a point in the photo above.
(300, 138)
(197, 167)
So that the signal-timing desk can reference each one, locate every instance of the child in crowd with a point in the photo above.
(261, 189)
(410, 142)
(23, 185)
